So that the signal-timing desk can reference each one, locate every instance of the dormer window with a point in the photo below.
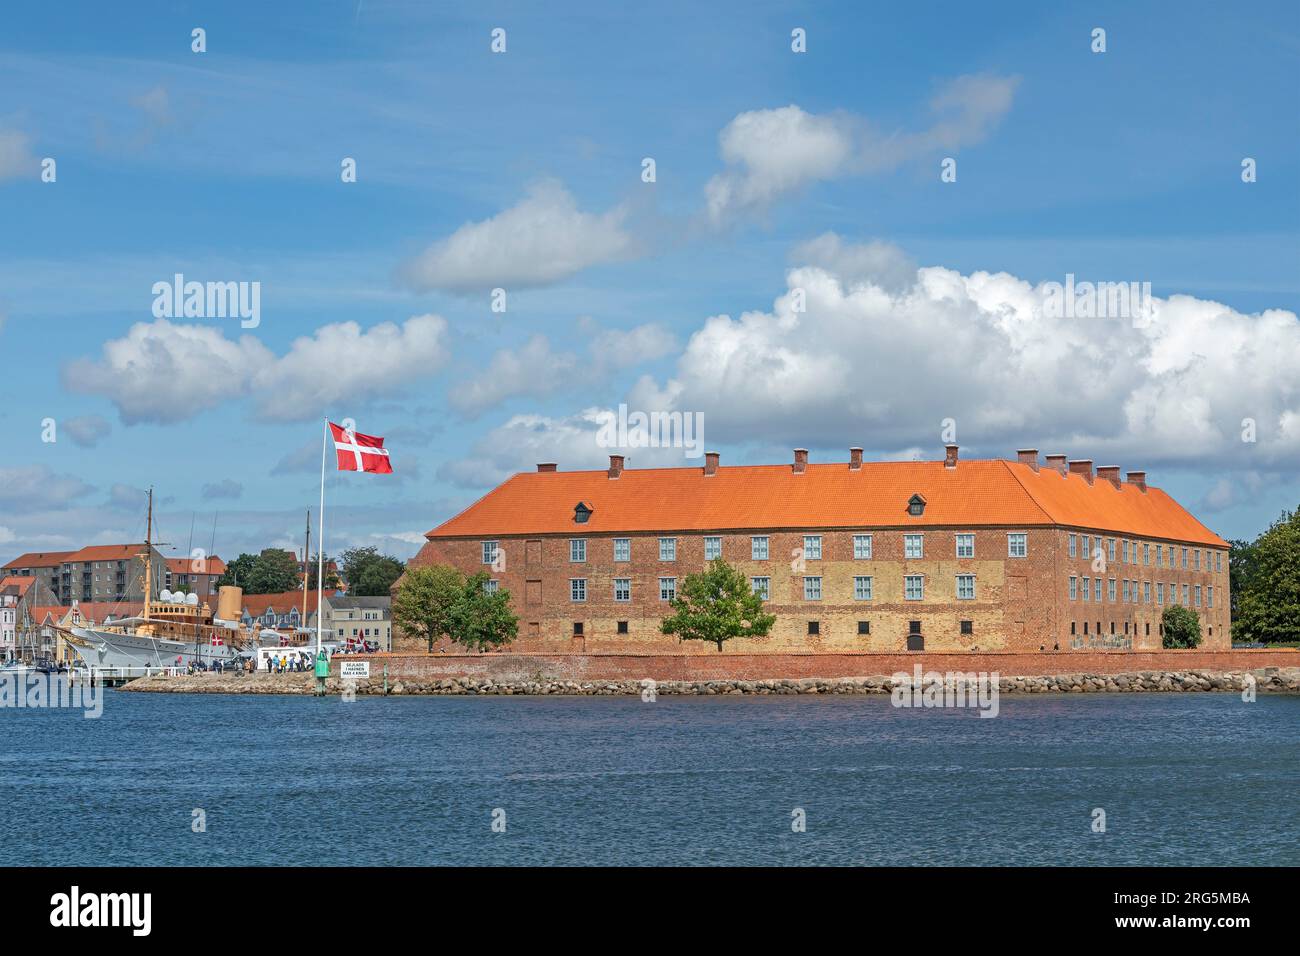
(916, 506)
(581, 513)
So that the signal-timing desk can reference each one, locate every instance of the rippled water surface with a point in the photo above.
(1183, 779)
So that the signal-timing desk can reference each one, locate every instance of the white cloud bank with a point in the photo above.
(166, 372)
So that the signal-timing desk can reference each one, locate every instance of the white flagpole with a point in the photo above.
(320, 537)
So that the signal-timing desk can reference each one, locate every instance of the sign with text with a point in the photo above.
(354, 670)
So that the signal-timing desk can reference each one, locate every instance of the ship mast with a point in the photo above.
(148, 552)
(306, 557)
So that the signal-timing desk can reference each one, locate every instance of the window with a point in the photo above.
(577, 549)
(812, 547)
(812, 589)
(1110, 550)
(622, 627)
(1110, 590)
(577, 629)
(1096, 590)
(667, 589)
(965, 587)
(1017, 544)
(1196, 559)
(712, 548)
(968, 627)
(1160, 594)
(965, 545)
(667, 549)
(1087, 588)
(814, 627)
(862, 588)
(1184, 559)
(1187, 593)
(914, 587)
(913, 627)
(864, 627)
(1209, 596)
(581, 513)
(1146, 553)
(1160, 555)
(760, 586)
(1074, 545)
(489, 587)
(916, 506)
(913, 545)
(1085, 547)
(622, 589)
(758, 547)
(622, 549)
(1124, 550)
(577, 589)
(1126, 591)
(489, 552)
(1146, 594)
(1218, 560)
(862, 547)
(1196, 595)
(1074, 588)
(1096, 545)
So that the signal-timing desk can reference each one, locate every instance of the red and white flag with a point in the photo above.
(357, 452)
(218, 640)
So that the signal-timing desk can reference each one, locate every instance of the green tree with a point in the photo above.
(370, 573)
(717, 605)
(1181, 627)
(425, 601)
(238, 571)
(331, 574)
(275, 570)
(482, 620)
(1241, 569)
(1269, 603)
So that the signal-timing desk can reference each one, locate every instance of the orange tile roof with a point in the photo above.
(106, 552)
(212, 565)
(22, 582)
(39, 559)
(256, 604)
(976, 492)
(42, 611)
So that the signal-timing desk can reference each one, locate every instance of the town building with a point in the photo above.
(356, 620)
(195, 576)
(102, 572)
(18, 595)
(283, 611)
(951, 555)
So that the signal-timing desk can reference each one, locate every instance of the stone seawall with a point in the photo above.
(1264, 680)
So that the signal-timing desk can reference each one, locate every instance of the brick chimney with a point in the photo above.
(1109, 473)
(1028, 456)
(546, 466)
(855, 459)
(1139, 480)
(800, 460)
(1056, 463)
(1082, 466)
(711, 463)
(950, 456)
(615, 466)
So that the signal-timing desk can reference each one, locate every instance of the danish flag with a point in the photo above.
(357, 452)
(218, 640)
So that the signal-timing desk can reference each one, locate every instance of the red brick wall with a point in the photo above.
(733, 666)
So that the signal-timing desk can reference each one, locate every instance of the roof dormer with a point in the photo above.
(916, 506)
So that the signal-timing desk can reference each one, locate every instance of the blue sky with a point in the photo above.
(521, 170)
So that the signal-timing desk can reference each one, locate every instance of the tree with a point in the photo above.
(717, 605)
(482, 619)
(1181, 627)
(424, 603)
(331, 573)
(1269, 602)
(271, 572)
(370, 573)
(1241, 568)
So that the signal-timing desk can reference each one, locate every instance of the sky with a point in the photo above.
(799, 271)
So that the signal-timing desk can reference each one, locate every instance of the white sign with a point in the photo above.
(354, 669)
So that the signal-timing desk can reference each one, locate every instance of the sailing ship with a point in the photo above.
(173, 630)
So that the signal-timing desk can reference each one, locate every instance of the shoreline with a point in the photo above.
(1266, 680)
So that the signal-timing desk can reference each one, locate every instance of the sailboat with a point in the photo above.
(172, 631)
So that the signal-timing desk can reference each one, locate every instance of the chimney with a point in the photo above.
(1056, 462)
(855, 459)
(1138, 478)
(711, 463)
(1082, 466)
(615, 466)
(1028, 456)
(1109, 473)
(800, 460)
(950, 456)
(546, 466)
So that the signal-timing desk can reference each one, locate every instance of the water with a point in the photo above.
(1183, 779)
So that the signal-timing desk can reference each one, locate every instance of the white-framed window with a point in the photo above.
(1110, 590)
(1074, 545)
(1160, 555)
(1196, 595)
(1096, 590)
(812, 588)
(1110, 550)
(862, 587)
(490, 586)
(1218, 560)
(490, 551)
(622, 590)
(1017, 544)
(712, 547)
(1209, 596)
(1085, 547)
(1096, 545)
(1146, 553)
(1146, 592)
(1160, 593)
(1074, 588)
(1187, 593)
(577, 589)
(965, 545)
(667, 549)
(1124, 550)
(1126, 591)
(622, 549)
(812, 547)
(577, 549)
(1196, 559)
(1087, 589)
(862, 547)
(758, 547)
(667, 589)
(913, 546)
(761, 586)
(1184, 559)
(965, 587)
(914, 587)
